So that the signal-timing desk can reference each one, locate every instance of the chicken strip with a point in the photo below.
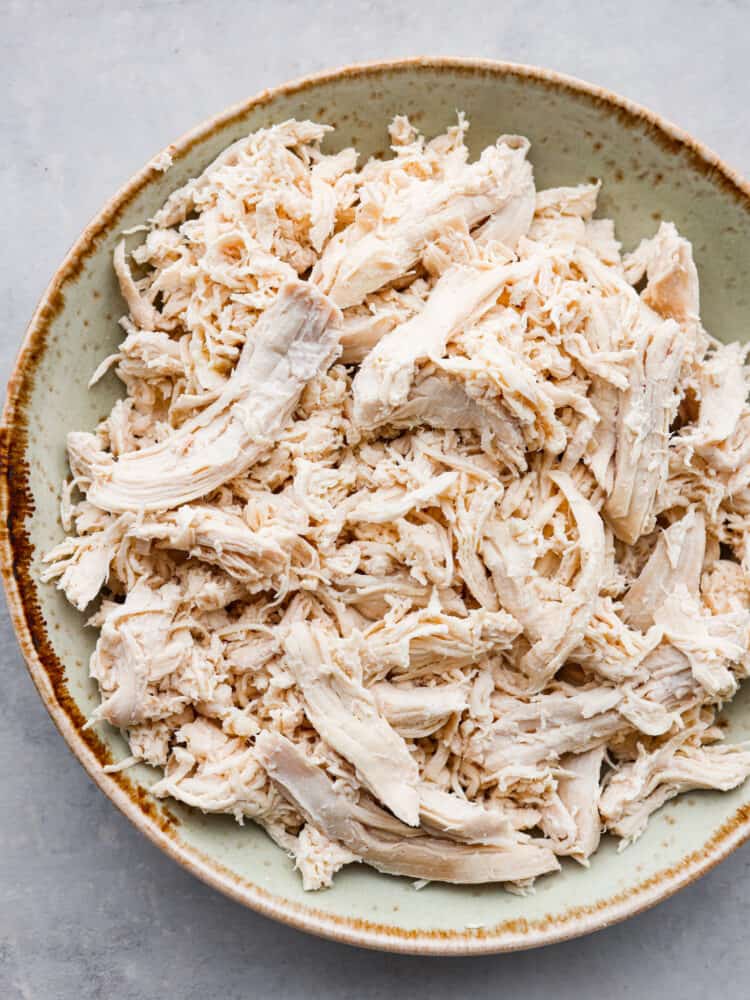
(415, 712)
(363, 258)
(458, 819)
(712, 643)
(140, 644)
(637, 790)
(645, 413)
(292, 342)
(548, 726)
(384, 507)
(677, 560)
(81, 564)
(223, 538)
(556, 627)
(385, 378)
(512, 221)
(723, 395)
(429, 639)
(672, 288)
(346, 716)
(421, 857)
(565, 628)
(143, 313)
(445, 404)
(578, 789)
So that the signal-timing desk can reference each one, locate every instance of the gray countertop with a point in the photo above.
(91, 89)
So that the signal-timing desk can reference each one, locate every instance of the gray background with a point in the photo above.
(89, 91)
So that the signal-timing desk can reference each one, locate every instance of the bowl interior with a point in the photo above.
(575, 136)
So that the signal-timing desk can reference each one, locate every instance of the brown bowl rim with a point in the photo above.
(46, 671)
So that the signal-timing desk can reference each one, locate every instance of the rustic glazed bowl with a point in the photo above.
(650, 171)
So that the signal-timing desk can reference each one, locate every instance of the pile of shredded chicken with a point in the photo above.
(423, 525)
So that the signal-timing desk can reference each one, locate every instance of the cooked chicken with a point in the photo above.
(445, 404)
(723, 394)
(458, 819)
(564, 628)
(311, 791)
(417, 711)
(395, 224)
(346, 716)
(536, 733)
(579, 791)
(290, 345)
(429, 640)
(677, 560)
(713, 643)
(672, 278)
(645, 412)
(421, 533)
(385, 376)
(637, 789)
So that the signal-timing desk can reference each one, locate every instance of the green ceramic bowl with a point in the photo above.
(650, 171)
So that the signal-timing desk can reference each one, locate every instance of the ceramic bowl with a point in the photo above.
(650, 170)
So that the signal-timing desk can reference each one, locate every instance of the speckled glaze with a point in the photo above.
(650, 171)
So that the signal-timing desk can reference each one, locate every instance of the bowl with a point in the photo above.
(650, 170)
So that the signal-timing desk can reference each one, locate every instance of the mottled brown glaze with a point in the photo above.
(48, 673)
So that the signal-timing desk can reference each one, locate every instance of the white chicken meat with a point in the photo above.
(422, 535)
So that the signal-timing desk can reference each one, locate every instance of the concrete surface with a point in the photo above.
(91, 89)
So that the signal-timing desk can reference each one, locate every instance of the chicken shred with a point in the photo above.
(422, 532)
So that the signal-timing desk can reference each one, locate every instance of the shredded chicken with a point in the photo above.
(422, 530)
